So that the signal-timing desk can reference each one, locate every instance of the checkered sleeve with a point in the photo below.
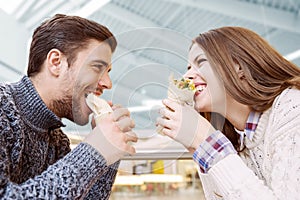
(212, 150)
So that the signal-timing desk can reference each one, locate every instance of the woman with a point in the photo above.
(244, 130)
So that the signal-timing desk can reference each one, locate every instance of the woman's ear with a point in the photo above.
(54, 61)
(240, 71)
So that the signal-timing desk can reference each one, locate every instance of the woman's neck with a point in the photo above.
(237, 114)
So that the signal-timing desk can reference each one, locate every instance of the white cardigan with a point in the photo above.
(269, 167)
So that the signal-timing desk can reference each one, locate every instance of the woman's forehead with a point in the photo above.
(195, 52)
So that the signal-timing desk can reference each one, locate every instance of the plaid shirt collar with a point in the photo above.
(251, 125)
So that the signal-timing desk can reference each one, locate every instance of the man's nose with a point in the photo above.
(105, 81)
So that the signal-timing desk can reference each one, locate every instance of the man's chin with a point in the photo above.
(81, 121)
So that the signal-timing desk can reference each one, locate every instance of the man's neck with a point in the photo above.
(44, 88)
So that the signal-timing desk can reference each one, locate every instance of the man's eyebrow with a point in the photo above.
(100, 61)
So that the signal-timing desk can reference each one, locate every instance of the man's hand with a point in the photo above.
(112, 135)
(122, 117)
(184, 124)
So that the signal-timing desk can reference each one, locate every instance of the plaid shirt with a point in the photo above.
(217, 146)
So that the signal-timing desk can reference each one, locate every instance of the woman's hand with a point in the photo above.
(184, 124)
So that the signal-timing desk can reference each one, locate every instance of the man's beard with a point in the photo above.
(68, 108)
(63, 107)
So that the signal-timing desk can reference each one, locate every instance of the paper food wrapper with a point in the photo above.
(98, 106)
(181, 91)
(180, 95)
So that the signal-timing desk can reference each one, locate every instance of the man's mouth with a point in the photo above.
(97, 92)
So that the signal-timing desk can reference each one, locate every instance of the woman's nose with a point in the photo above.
(189, 74)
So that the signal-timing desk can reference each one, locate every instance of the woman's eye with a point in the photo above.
(201, 61)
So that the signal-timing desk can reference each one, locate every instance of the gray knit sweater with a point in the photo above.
(35, 157)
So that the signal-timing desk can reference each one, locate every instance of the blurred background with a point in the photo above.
(153, 41)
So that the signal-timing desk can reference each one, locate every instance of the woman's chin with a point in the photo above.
(200, 107)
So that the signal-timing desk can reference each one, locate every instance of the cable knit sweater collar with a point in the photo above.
(32, 108)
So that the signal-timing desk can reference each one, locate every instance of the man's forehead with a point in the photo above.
(102, 51)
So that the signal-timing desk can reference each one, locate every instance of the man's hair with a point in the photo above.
(69, 34)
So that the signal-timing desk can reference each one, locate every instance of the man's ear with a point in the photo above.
(55, 61)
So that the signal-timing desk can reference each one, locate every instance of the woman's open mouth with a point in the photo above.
(199, 88)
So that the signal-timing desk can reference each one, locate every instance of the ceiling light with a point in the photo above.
(89, 8)
(9, 6)
(293, 56)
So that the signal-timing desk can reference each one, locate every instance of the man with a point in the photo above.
(69, 58)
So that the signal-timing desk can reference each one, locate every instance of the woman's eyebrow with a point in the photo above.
(197, 57)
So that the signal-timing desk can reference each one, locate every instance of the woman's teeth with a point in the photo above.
(200, 88)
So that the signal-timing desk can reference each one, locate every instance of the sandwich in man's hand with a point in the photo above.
(99, 106)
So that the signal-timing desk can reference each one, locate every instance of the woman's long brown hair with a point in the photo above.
(266, 73)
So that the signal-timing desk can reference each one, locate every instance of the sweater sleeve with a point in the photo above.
(234, 180)
(102, 188)
(69, 178)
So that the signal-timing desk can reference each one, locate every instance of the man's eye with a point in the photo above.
(99, 67)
